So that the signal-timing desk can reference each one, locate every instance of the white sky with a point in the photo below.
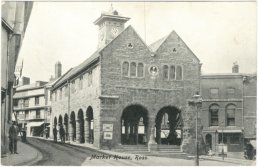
(219, 33)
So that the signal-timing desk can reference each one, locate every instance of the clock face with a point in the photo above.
(114, 31)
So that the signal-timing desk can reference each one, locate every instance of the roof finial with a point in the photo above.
(111, 8)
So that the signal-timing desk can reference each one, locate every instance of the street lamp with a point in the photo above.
(198, 103)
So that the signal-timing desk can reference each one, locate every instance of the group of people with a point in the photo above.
(61, 133)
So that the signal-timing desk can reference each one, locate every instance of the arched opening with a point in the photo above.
(81, 126)
(134, 122)
(73, 126)
(55, 122)
(66, 127)
(208, 140)
(60, 121)
(90, 125)
(169, 126)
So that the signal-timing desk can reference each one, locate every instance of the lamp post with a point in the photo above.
(198, 103)
(222, 142)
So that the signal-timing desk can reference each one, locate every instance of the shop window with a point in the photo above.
(230, 111)
(224, 138)
(125, 68)
(234, 138)
(179, 74)
(165, 72)
(172, 74)
(140, 70)
(133, 69)
(214, 115)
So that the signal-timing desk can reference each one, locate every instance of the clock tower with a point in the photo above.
(110, 25)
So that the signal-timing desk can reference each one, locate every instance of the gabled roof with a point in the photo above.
(156, 45)
(73, 71)
(129, 27)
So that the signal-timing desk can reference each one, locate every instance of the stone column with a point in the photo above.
(136, 133)
(158, 131)
(87, 130)
(70, 131)
(131, 135)
(126, 132)
(78, 135)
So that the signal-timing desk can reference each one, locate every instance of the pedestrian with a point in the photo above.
(13, 135)
(55, 134)
(62, 134)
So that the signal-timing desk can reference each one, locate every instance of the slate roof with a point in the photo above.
(30, 86)
(73, 71)
(155, 45)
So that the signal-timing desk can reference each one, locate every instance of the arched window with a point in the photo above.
(125, 68)
(140, 70)
(230, 111)
(214, 115)
(165, 72)
(179, 73)
(172, 73)
(133, 69)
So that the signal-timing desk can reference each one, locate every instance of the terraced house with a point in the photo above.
(128, 93)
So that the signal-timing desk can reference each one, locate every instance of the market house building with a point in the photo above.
(128, 93)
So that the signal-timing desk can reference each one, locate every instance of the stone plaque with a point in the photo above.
(108, 127)
(108, 135)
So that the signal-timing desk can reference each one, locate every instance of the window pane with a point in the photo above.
(230, 115)
(172, 72)
(133, 69)
(214, 117)
(165, 72)
(179, 73)
(140, 70)
(125, 68)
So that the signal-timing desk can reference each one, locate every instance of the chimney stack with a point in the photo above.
(235, 68)
(58, 69)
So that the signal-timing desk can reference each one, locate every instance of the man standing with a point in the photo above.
(55, 134)
(13, 135)
(62, 134)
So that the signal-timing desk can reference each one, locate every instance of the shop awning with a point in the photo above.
(35, 124)
(253, 142)
(230, 131)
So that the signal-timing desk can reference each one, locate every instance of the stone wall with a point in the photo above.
(151, 92)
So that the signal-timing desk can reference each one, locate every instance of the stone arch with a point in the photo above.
(169, 126)
(80, 129)
(55, 122)
(73, 126)
(89, 125)
(66, 122)
(60, 120)
(134, 125)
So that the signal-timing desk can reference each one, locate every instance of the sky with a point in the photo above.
(219, 33)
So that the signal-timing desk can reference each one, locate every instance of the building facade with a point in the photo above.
(128, 93)
(229, 110)
(15, 17)
(30, 108)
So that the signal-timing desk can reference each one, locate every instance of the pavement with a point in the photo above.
(27, 156)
